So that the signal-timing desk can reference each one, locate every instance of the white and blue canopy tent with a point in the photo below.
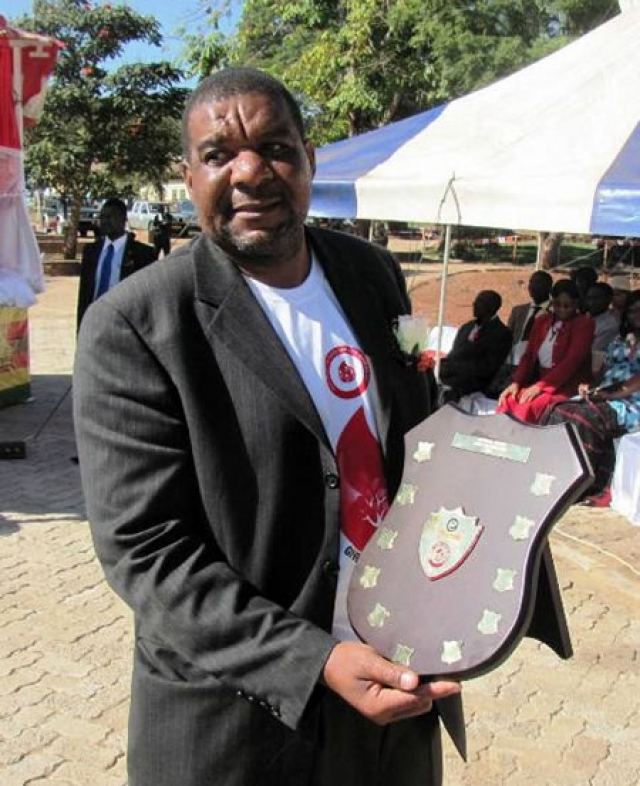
(554, 147)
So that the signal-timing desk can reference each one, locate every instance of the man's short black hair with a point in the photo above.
(491, 299)
(605, 290)
(585, 275)
(542, 277)
(116, 204)
(238, 81)
(565, 286)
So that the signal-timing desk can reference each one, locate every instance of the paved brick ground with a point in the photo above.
(65, 639)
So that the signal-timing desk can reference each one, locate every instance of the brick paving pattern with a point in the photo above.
(65, 638)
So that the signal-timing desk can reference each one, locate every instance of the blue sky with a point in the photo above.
(171, 14)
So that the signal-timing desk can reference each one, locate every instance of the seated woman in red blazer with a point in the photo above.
(557, 358)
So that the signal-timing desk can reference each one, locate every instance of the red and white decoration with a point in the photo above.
(26, 61)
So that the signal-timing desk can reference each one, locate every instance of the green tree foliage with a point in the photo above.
(101, 127)
(358, 64)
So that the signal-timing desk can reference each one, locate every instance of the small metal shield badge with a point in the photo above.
(448, 537)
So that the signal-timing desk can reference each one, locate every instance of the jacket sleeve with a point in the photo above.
(576, 351)
(153, 540)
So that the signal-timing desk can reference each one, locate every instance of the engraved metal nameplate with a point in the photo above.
(491, 447)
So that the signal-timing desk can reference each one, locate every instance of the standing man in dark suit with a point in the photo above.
(479, 349)
(112, 258)
(240, 412)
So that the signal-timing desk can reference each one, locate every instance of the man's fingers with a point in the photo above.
(440, 689)
(391, 704)
(390, 675)
(380, 690)
(394, 676)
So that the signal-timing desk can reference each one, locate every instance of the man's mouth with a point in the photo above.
(256, 207)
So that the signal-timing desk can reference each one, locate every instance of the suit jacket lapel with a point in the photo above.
(231, 314)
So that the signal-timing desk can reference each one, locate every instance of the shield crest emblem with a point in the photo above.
(447, 585)
(447, 539)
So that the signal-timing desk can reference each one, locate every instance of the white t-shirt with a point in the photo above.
(338, 375)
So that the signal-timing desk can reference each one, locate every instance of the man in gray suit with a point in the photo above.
(240, 413)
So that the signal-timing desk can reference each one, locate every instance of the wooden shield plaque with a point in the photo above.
(447, 584)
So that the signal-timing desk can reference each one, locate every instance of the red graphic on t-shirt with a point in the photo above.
(348, 372)
(363, 488)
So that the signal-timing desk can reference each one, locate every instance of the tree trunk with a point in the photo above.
(551, 243)
(71, 229)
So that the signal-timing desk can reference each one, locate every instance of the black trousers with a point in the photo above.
(356, 752)
(163, 244)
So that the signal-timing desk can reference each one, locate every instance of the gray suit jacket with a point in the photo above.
(211, 491)
(213, 497)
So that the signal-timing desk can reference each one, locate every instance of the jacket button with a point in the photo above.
(332, 480)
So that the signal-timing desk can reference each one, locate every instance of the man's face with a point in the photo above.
(249, 174)
(482, 308)
(112, 222)
(596, 301)
(619, 299)
(539, 289)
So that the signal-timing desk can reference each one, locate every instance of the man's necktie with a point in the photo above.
(105, 272)
(529, 323)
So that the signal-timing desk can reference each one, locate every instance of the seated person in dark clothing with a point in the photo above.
(584, 277)
(479, 349)
(607, 323)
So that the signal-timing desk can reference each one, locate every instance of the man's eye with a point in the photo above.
(278, 150)
(215, 157)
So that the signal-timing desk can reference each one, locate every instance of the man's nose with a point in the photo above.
(250, 167)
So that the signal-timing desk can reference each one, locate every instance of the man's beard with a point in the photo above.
(262, 246)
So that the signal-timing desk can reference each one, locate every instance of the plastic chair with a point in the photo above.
(446, 341)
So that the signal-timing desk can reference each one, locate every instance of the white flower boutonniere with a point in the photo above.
(412, 335)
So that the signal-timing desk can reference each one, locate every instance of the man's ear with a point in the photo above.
(311, 155)
(186, 175)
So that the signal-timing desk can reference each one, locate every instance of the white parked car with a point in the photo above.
(142, 214)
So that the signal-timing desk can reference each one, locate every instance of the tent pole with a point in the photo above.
(443, 295)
